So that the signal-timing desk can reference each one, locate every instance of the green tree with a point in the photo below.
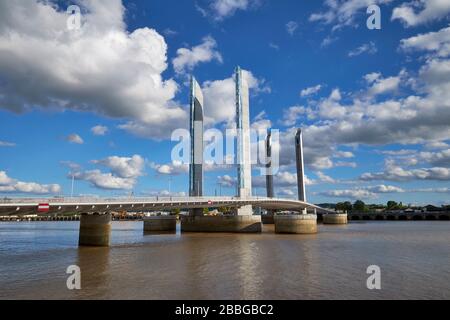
(392, 205)
(359, 206)
(344, 206)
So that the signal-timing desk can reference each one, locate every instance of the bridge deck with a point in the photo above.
(82, 205)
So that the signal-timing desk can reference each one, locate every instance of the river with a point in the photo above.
(414, 258)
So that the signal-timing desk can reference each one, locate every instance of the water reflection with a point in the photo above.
(95, 271)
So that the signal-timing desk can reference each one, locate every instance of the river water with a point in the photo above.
(414, 258)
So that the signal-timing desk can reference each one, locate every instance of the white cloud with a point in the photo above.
(101, 68)
(164, 193)
(393, 172)
(437, 145)
(380, 85)
(415, 13)
(440, 158)
(328, 41)
(4, 179)
(124, 167)
(227, 181)
(344, 154)
(123, 174)
(310, 91)
(7, 144)
(187, 59)
(370, 117)
(437, 42)
(175, 168)
(220, 97)
(99, 130)
(222, 9)
(105, 181)
(292, 114)
(369, 48)
(9, 185)
(324, 178)
(350, 193)
(291, 27)
(342, 13)
(75, 138)
(362, 193)
(274, 46)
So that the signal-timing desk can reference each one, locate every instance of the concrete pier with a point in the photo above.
(95, 230)
(332, 218)
(296, 224)
(160, 224)
(268, 218)
(231, 224)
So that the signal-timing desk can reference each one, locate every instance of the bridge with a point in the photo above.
(56, 206)
(96, 214)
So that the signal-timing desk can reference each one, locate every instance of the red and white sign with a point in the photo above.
(43, 207)
(210, 202)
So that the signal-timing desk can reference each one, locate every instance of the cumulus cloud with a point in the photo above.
(362, 193)
(380, 85)
(101, 68)
(175, 168)
(393, 172)
(10, 185)
(440, 158)
(369, 48)
(220, 97)
(371, 117)
(292, 114)
(99, 130)
(123, 174)
(124, 167)
(437, 42)
(324, 178)
(415, 13)
(75, 138)
(188, 59)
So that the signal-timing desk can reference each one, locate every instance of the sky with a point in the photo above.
(97, 102)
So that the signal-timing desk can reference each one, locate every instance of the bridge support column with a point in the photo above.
(245, 211)
(332, 218)
(95, 230)
(296, 224)
(160, 224)
(268, 218)
(229, 224)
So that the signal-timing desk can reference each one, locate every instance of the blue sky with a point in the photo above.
(100, 102)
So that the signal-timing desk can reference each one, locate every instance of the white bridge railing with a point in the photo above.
(93, 200)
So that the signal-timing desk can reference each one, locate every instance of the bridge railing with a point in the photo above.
(93, 200)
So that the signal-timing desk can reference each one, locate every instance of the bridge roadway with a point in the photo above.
(20, 207)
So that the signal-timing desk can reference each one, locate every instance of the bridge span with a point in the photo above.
(20, 207)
